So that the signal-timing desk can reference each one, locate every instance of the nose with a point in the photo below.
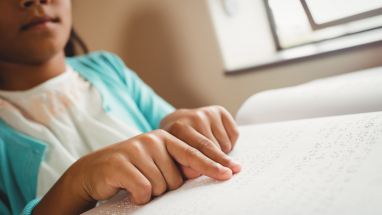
(30, 3)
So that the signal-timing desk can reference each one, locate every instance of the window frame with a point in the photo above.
(276, 37)
(356, 17)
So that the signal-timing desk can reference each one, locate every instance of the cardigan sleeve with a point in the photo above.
(3, 208)
(152, 106)
(28, 209)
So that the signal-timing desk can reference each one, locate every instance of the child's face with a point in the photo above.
(33, 31)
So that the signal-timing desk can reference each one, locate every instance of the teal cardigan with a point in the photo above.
(123, 94)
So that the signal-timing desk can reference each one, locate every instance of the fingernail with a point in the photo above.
(227, 149)
(235, 166)
(226, 173)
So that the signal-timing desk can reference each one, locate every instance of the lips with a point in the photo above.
(39, 21)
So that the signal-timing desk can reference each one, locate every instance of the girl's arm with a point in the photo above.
(145, 166)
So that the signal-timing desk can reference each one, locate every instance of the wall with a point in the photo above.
(172, 46)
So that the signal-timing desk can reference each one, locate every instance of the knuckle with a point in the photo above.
(215, 167)
(219, 108)
(146, 187)
(116, 159)
(205, 144)
(144, 194)
(141, 200)
(134, 148)
(212, 109)
(192, 152)
(176, 127)
(198, 116)
(176, 184)
(149, 137)
(159, 133)
(210, 112)
(159, 189)
(226, 147)
(225, 161)
(152, 139)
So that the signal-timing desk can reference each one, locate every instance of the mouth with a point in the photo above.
(39, 22)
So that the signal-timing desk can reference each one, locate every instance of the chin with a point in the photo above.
(42, 54)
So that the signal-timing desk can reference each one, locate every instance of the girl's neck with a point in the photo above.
(19, 77)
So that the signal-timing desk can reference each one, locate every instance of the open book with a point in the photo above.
(316, 165)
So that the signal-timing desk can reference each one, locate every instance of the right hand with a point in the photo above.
(144, 165)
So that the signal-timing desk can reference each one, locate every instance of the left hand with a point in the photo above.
(212, 130)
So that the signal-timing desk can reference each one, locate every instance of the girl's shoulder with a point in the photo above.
(102, 59)
(102, 65)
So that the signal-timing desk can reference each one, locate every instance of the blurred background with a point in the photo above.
(180, 49)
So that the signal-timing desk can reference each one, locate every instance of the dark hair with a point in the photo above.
(74, 45)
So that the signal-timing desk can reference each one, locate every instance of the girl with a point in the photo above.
(76, 130)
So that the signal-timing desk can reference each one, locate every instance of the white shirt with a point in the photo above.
(66, 113)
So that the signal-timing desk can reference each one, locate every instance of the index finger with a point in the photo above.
(207, 147)
(194, 159)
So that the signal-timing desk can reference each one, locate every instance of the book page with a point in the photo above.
(317, 166)
(357, 92)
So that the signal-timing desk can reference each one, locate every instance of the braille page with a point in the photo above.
(319, 166)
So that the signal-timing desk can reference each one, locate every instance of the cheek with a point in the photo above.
(64, 7)
(8, 34)
(65, 12)
(10, 20)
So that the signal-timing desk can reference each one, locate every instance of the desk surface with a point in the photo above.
(316, 166)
